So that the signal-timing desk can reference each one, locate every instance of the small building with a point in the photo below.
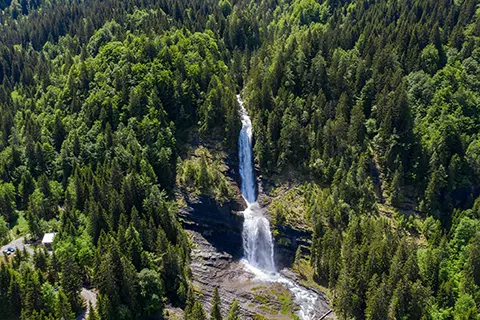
(48, 239)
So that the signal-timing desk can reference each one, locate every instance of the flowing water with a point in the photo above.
(257, 237)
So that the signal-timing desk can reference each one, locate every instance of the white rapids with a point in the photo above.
(257, 237)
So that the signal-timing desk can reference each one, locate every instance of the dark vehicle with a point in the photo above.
(11, 250)
(6, 252)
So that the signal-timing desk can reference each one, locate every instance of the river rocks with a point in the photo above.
(212, 269)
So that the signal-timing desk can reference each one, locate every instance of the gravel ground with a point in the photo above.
(18, 244)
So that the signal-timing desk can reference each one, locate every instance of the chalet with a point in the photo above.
(48, 239)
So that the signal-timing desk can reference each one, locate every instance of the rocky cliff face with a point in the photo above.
(286, 245)
(216, 231)
(220, 225)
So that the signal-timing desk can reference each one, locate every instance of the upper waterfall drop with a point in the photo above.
(257, 237)
(245, 155)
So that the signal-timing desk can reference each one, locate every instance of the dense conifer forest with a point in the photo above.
(370, 108)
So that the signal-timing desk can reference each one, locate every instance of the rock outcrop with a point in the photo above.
(220, 225)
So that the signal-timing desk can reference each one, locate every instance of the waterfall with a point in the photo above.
(257, 238)
(245, 155)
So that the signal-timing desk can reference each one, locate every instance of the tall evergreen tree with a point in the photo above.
(234, 312)
(216, 312)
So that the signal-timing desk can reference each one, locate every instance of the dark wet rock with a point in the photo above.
(220, 225)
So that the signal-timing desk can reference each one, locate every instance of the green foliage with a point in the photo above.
(370, 102)
(92, 313)
(151, 291)
(216, 312)
(234, 312)
(197, 312)
(4, 231)
(7, 201)
(204, 173)
(63, 309)
(465, 308)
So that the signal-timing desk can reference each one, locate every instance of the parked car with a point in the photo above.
(11, 250)
(6, 252)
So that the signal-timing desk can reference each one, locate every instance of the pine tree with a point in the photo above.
(473, 262)
(197, 312)
(63, 309)
(278, 216)
(26, 188)
(33, 219)
(71, 281)
(298, 258)
(203, 179)
(189, 303)
(216, 313)
(58, 132)
(134, 246)
(92, 313)
(396, 194)
(377, 299)
(234, 312)
(4, 230)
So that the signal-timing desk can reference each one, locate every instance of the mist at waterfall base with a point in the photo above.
(257, 237)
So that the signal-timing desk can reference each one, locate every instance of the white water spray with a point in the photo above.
(257, 237)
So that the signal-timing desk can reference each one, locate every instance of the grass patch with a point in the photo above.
(285, 299)
(268, 309)
(293, 205)
(259, 288)
(305, 274)
(261, 298)
(205, 173)
(274, 299)
(19, 226)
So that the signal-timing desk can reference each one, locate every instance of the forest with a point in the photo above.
(369, 107)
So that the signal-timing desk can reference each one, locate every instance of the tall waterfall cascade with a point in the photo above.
(257, 237)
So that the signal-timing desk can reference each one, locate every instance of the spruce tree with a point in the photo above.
(298, 258)
(216, 313)
(63, 309)
(234, 312)
(197, 312)
(92, 313)
(189, 303)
